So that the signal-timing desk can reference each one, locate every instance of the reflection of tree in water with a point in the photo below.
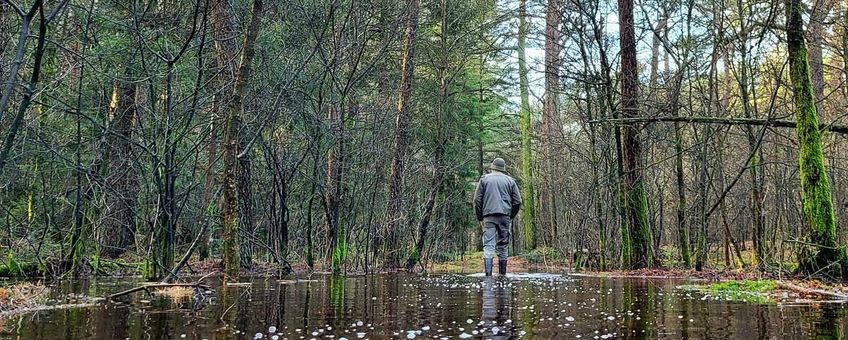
(226, 300)
(111, 322)
(276, 311)
(306, 300)
(337, 300)
(829, 324)
(390, 301)
(242, 309)
(642, 306)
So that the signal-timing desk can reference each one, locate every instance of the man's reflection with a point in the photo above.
(495, 308)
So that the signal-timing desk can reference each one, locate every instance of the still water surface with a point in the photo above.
(405, 306)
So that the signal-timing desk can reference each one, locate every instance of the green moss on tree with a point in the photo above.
(339, 250)
(824, 256)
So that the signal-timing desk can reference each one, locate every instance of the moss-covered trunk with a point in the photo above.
(634, 188)
(824, 256)
(232, 144)
(528, 212)
(334, 189)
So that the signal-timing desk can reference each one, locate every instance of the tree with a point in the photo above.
(401, 138)
(823, 256)
(528, 218)
(233, 142)
(550, 114)
(118, 228)
(634, 188)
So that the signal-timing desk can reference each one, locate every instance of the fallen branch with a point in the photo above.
(841, 129)
(49, 307)
(811, 291)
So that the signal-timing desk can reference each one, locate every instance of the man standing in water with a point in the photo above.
(496, 203)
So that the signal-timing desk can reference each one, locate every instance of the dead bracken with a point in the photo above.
(176, 293)
(22, 295)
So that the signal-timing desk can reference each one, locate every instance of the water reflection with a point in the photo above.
(495, 309)
(393, 306)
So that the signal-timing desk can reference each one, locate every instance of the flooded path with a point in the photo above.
(533, 306)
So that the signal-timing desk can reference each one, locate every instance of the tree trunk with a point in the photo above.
(12, 80)
(29, 90)
(550, 116)
(226, 47)
(399, 149)
(440, 141)
(208, 188)
(757, 187)
(634, 187)
(244, 180)
(528, 219)
(845, 44)
(824, 256)
(682, 227)
(117, 231)
(232, 144)
(815, 38)
(335, 187)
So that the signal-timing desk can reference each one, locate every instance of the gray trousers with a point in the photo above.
(496, 236)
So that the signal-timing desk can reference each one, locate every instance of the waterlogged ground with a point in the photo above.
(439, 306)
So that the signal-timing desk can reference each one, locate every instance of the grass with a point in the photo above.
(543, 255)
(471, 262)
(751, 291)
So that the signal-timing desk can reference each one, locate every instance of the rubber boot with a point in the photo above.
(502, 267)
(487, 265)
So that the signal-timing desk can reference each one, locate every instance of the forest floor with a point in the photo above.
(730, 284)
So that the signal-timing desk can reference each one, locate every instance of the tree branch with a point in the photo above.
(840, 129)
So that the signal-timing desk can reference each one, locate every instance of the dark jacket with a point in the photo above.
(496, 193)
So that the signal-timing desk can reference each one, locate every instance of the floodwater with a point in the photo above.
(401, 306)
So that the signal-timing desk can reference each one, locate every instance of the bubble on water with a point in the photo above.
(360, 335)
(465, 335)
(569, 318)
(258, 336)
(272, 329)
(469, 321)
(425, 328)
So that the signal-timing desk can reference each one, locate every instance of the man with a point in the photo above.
(496, 203)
